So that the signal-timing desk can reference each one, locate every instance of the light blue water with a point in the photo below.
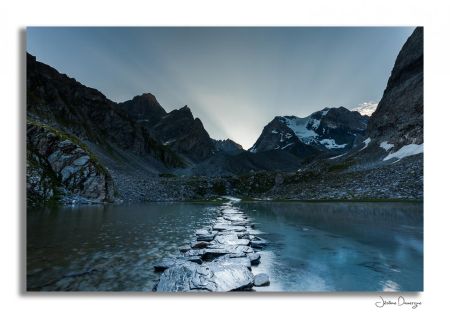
(312, 246)
(341, 246)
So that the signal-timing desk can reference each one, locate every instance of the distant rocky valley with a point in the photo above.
(84, 148)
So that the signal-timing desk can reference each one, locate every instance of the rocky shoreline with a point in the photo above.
(220, 259)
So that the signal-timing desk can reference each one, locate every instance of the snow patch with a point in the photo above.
(298, 126)
(386, 146)
(284, 147)
(337, 156)
(331, 144)
(168, 142)
(315, 123)
(366, 143)
(405, 151)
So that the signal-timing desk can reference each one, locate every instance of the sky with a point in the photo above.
(235, 80)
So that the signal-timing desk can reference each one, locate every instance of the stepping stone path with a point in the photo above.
(220, 259)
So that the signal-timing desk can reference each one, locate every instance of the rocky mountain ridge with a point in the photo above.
(330, 131)
(83, 147)
(398, 119)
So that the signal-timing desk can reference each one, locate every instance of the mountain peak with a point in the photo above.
(330, 129)
(145, 96)
(144, 109)
(228, 146)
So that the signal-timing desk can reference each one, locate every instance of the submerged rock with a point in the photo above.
(184, 248)
(200, 244)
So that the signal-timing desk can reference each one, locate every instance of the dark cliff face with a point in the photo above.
(399, 116)
(62, 102)
(144, 109)
(228, 146)
(184, 134)
(276, 135)
(58, 165)
(342, 125)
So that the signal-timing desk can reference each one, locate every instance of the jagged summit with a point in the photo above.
(144, 109)
(327, 130)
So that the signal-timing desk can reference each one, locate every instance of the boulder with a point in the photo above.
(262, 280)
(254, 258)
(215, 277)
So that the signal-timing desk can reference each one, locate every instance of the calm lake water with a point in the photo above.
(312, 246)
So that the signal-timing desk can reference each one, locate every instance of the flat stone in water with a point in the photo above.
(258, 243)
(194, 252)
(226, 260)
(204, 235)
(212, 253)
(234, 218)
(228, 227)
(234, 223)
(254, 258)
(216, 250)
(202, 232)
(262, 280)
(243, 235)
(195, 259)
(231, 211)
(231, 239)
(216, 276)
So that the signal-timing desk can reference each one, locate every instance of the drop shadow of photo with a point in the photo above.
(22, 213)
